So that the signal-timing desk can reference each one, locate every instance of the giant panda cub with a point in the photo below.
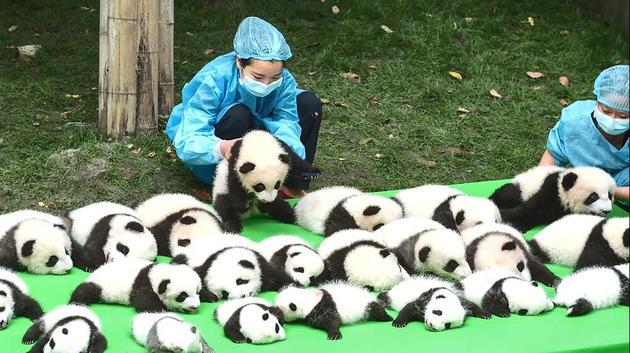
(230, 267)
(330, 306)
(146, 286)
(359, 257)
(545, 194)
(66, 329)
(176, 219)
(250, 320)
(424, 245)
(448, 206)
(431, 300)
(594, 288)
(499, 245)
(583, 240)
(167, 332)
(251, 177)
(34, 241)
(296, 258)
(107, 232)
(14, 299)
(336, 208)
(501, 293)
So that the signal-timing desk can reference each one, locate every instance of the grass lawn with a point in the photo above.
(398, 127)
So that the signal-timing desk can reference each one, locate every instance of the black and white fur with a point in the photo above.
(336, 208)
(583, 240)
(231, 267)
(545, 194)
(296, 258)
(432, 300)
(176, 219)
(330, 306)
(146, 286)
(593, 288)
(250, 320)
(108, 232)
(66, 329)
(34, 241)
(15, 300)
(167, 333)
(501, 246)
(359, 257)
(251, 177)
(501, 293)
(424, 245)
(448, 206)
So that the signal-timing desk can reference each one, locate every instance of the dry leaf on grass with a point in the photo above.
(335, 9)
(42, 205)
(137, 151)
(72, 95)
(312, 73)
(463, 110)
(129, 146)
(373, 67)
(455, 74)
(378, 155)
(537, 88)
(564, 32)
(151, 155)
(564, 81)
(530, 20)
(365, 141)
(564, 102)
(390, 136)
(535, 74)
(453, 150)
(13, 28)
(351, 76)
(374, 100)
(208, 51)
(324, 100)
(36, 124)
(494, 93)
(426, 162)
(386, 29)
(341, 159)
(340, 104)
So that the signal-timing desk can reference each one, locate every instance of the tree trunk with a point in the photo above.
(147, 66)
(165, 72)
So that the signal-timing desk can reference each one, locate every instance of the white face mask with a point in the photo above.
(610, 125)
(256, 88)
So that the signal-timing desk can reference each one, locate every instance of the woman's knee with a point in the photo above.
(237, 121)
(309, 105)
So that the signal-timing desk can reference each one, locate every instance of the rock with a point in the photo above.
(63, 157)
(28, 52)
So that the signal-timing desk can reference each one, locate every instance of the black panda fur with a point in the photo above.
(279, 259)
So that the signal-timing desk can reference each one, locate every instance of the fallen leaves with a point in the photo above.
(386, 29)
(88, 9)
(564, 102)
(495, 93)
(312, 73)
(324, 100)
(335, 9)
(129, 146)
(151, 154)
(426, 162)
(564, 32)
(13, 28)
(564, 81)
(42, 204)
(340, 104)
(365, 141)
(535, 74)
(453, 151)
(530, 20)
(455, 74)
(463, 110)
(378, 155)
(374, 100)
(72, 95)
(352, 77)
(36, 124)
(171, 153)
(208, 51)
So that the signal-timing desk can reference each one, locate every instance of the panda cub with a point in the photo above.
(167, 332)
(583, 240)
(499, 245)
(34, 241)
(176, 219)
(250, 320)
(431, 300)
(251, 177)
(14, 299)
(545, 194)
(500, 292)
(594, 288)
(230, 267)
(447, 206)
(336, 208)
(360, 258)
(108, 232)
(146, 286)
(296, 258)
(424, 245)
(66, 329)
(330, 306)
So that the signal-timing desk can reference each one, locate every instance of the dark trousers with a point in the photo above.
(238, 120)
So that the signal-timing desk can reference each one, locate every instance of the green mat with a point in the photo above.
(600, 331)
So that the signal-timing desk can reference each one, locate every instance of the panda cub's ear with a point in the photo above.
(510, 245)
(27, 248)
(246, 167)
(568, 181)
(423, 254)
(460, 217)
(371, 210)
(134, 226)
(163, 285)
(284, 158)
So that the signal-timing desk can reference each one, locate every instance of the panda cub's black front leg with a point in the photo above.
(86, 293)
(332, 329)
(279, 210)
(229, 215)
(409, 312)
(32, 334)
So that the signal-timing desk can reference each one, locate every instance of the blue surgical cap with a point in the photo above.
(611, 87)
(258, 39)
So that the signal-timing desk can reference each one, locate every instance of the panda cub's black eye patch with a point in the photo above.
(591, 198)
(240, 281)
(259, 187)
(183, 242)
(294, 254)
(451, 266)
(440, 297)
(181, 297)
(293, 307)
(520, 266)
(2, 309)
(437, 312)
(299, 269)
(277, 186)
(3, 293)
(64, 331)
(52, 261)
(123, 249)
(265, 316)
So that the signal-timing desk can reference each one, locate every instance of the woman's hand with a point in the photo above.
(226, 147)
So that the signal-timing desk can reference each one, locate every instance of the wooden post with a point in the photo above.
(147, 66)
(103, 64)
(165, 71)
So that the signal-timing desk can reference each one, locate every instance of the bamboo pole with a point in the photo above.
(147, 66)
(103, 64)
(166, 80)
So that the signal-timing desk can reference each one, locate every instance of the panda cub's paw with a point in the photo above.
(334, 336)
(399, 323)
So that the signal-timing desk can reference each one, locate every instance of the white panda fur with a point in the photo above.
(448, 206)
(423, 245)
(167, 332)
(34, 241)
(545, 194)
(313, 209)
(146, 286)
(593, 288)
(502, 246)
(583, 240)
(500, 292)
(67, 329)
(251, 320)
(296, 257)
(108, 232)
(15, 300)
(433, 300)
(357, 256)
(330, 306)
(176, 219)
(258, 165)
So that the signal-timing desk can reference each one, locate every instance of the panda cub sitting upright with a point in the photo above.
(167, 332)
(14, 299)
(251, 177)
(545, 194)
(296, 258)
(250, 320)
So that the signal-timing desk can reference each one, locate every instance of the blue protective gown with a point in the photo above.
(575, 140)
(211, 93)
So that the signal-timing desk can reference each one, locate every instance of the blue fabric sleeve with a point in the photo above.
(622, 178)
(555, 144)
(195, 141)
